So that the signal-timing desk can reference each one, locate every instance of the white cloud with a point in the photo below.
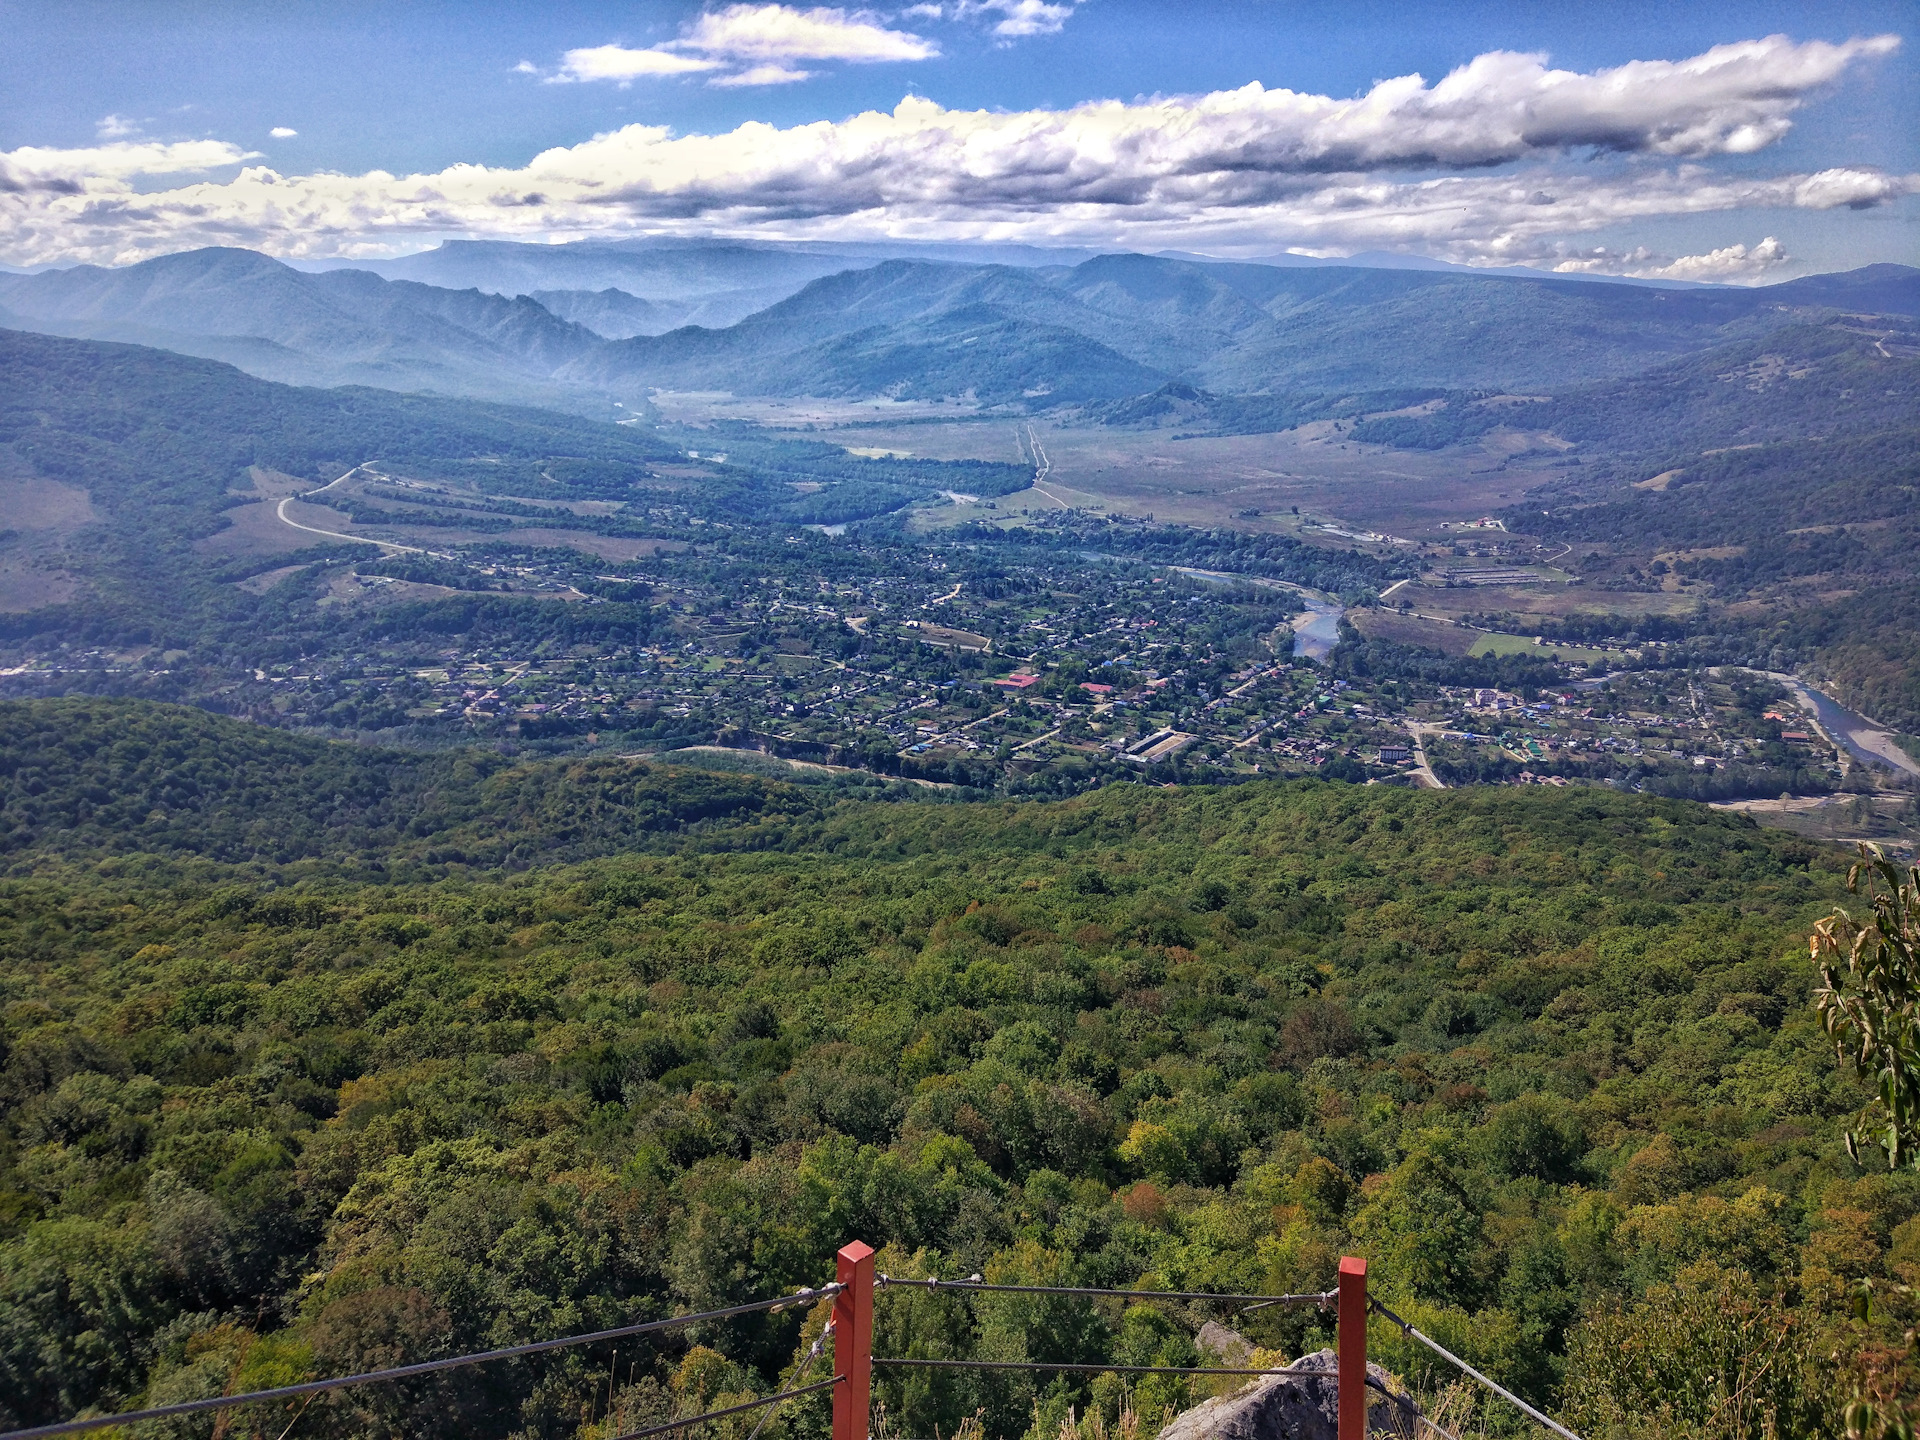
(769, 74)
(36, 170)
(116, 127)
(781, 32)
(281, 132)
(1016, 20)
(1730, 263)
(526, 67)
(1490, 164)
(764, 39)
(615, 62)
(1020, 18)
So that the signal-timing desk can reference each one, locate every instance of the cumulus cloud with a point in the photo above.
(781, 32)
(1019, 18)
(115, 127)
(1494, 162)
(1729, 263)
(282, 132)
(37, 170)
(765, 39)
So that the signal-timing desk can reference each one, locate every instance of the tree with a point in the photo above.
(1869, 999)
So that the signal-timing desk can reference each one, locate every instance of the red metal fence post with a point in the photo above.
(853, 1343)
(1352, 1352)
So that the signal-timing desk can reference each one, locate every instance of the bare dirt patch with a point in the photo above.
(274, 485)
(352, 588)
(1413, 630)
(1545, 600)
(256, 530)
(263, 582)
(26, 585)
(37, 516)
(957, 639)
(30, 503)
(1840, 819)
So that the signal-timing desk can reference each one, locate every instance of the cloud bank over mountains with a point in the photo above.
(1504, 160)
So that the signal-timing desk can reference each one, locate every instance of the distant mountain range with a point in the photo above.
(1118, 325)
(344, 327)
(576, 326)
(710, 283)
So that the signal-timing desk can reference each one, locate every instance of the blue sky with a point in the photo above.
(128, 129)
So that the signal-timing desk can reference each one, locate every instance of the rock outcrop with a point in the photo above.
(1302, 1402)
(1229, 1347)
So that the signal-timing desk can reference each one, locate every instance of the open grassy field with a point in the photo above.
(1496, 643)
(1452, 639)
(1414, 630)
(1543, 600)
(1289, 482)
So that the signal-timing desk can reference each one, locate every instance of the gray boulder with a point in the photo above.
(1302, 1402)
(1230, 1346)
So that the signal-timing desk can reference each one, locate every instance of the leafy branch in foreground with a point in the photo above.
(1871, 1008)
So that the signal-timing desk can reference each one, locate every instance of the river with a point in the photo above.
(1867, 741)
(1316, 630)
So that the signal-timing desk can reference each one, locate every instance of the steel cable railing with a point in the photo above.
(1505, 1394)
(424, 1367)
(806, 1364)
(1064, 1365)
(732, 1410)
(1249, 1302)
(840, 1289)
(974, 1285)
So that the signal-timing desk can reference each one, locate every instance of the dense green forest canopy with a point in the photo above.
(1544, 1057)
(89, 777)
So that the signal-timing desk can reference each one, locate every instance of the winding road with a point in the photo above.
(281, 511)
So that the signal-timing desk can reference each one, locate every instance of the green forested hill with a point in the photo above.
(91, 777)
(162, 444)
(1544, 1057)
(1795, 382)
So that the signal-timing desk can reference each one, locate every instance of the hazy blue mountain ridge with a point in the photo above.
(1022, 335)
(1230, 328)
(614, 314)
(338, 327)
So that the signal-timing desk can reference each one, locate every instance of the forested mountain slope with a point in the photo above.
(163, 444)
(1797, 382)
(1544, 1057)
(93, 777)
(1024, 335)
(1784, 472)
(1232, 328)
(342, 327)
